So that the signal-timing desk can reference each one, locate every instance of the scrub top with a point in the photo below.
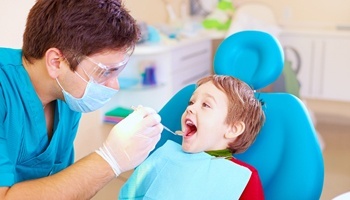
(26, 152)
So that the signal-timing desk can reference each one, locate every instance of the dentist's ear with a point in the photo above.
(235, 130)
(53, 58)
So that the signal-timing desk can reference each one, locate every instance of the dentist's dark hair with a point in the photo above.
(78, 28)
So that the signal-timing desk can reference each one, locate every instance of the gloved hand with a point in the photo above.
(131, 140)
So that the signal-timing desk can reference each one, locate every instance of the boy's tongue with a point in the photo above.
(191, 130)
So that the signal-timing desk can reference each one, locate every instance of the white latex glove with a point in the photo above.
(131, 140)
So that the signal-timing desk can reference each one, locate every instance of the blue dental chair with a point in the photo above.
(286, 152)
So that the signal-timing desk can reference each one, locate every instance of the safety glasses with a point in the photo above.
(100, 73)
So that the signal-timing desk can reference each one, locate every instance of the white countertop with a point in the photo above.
(167, 45)
(341, 30)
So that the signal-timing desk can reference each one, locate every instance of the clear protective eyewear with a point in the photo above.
(100, 73)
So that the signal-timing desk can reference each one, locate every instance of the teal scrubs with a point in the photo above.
(26, 152)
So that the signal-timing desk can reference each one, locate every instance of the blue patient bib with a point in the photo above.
(169, 173)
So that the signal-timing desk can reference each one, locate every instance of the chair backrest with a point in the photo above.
(286, 152)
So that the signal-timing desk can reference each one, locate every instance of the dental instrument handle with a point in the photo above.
(166, 128)
(175, 133)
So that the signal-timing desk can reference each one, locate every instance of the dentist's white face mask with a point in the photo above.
(95, 96)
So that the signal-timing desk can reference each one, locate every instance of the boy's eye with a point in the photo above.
(190, 103)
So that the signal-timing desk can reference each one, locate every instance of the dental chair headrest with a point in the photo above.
(254, 57)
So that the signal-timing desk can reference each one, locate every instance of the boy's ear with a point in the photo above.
(235, 130)
(53, 59)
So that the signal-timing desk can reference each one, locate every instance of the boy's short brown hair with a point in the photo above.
(78, 27)
(242, 106)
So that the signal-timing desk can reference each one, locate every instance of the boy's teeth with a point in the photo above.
(188, 122)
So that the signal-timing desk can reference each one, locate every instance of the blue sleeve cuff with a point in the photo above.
(7, 180)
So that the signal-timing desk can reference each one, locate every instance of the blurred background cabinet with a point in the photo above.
(336, 74)
(324, 62)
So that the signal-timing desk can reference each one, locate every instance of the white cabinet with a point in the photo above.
(176, 65)
(325, 60)
(304, 47)
(336, 75)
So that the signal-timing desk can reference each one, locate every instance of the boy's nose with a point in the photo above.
(190, 109)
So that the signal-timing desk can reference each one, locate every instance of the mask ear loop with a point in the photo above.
(59, 84)
(81, 76)
(78, 61)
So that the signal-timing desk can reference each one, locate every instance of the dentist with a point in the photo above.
(73, 51)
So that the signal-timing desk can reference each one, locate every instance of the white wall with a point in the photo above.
(310, 13)
(290, 12)
(316, 13)
(13, 15)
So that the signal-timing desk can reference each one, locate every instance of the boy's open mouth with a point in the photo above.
(191, 128)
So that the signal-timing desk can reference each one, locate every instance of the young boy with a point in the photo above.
(223, 117)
